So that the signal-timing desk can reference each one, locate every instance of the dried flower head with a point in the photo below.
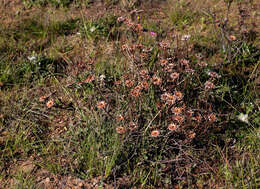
(209, 85)
(132, 48)
(232, 38)
(121, 19)
(118, 82)
(129, 83)
(164, 96)
(132, 126)
(135, 92)
(178, 118)
(202, 64)
(139, 46)
(143, 55)
(90, 78)
(185, 62)
(145, 85)
(174, 76)
(101, 104)
(156, 80)
(198, 117)
(50, 103)
(171, 99)
(138, 28)
(213, 74)
(164, 45)
(155, 133)
(177, 110)
(138, 87)
(119, 118)
(172, 127)
(43, 98)
(191, 135)
(189, 70)
(163, 62)
(212, 117)
(124, 47)
(178, 95)
(120, 130)
(159, 105)
(189, 113)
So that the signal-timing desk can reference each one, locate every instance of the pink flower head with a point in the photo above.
(153, 34)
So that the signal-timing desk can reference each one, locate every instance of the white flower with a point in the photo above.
(102, 77)
(92, 29)
(243, 117)
(32, 58)
(185, 37)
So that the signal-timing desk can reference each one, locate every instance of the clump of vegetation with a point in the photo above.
(123, 100)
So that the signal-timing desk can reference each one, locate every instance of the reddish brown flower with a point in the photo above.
(120, 130)
(178, 118)
(118, 82)
(198, 117)
(138, 28)
(132, 126)
(212, 117)
(209, 85)
(138, 87)
(177, 110)
(164, 45)
(184, 62)
(119, 118)
(190, 113)
(191, 135)
(143, 72)
(101, 104)
(171, 99)
(135, 92)
(164, 62)
(155, 133)
(172, 127)
(143, 55)
(156, 80)
(124, 47)
(174, 76)
(159, 105)
(213, 74)
(121, 19)
(50, 103)
(132, 48)
(178, 95)
(202, 64)
(164, 96)
(145, 85)
(139, 46)
(43, 98)
(232, 38)
(90, 78)
(129, 83)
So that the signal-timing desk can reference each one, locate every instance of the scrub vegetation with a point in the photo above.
(129, 94)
